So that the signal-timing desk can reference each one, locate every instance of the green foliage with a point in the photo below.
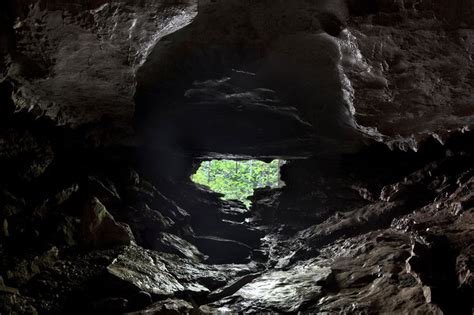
(238, 179)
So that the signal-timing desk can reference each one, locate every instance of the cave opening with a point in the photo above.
(238, 179)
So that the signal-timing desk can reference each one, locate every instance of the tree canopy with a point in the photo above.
(238, 179)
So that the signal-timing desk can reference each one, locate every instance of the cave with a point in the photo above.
(109, 110)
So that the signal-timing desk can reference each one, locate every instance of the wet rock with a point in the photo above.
(232, 287)
(280, 291)
(169, 306)
(100, 229)
(168, 275)
(149, 274)
(358, 221)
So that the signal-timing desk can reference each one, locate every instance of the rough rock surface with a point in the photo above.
(167, 275)
(75, 63)
(99, 227)
(108, 107)
(282, 291)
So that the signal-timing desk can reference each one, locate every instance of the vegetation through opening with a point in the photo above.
(237, 180)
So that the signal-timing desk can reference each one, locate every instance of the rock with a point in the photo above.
(169, 208)
(465, 271)
(44, 261)
(112, 305)
(314, 82)
(169, 275)
(280, 291)
(146, 223)
(25, 156)
(143, 270)
(25, 270)
(369, 273)
(169, 306)
(129, 176)
(233, 286)
(221, 251)
(11, 205)
(176, 245)
(53, 203)
(16, 304)
(6, 289)
(100, 229)
(139, 194)
(433, 263)
(84, 40)
(68, 231)
(241, 232)
(104, 190)
(141, 300)
(5, 232)
(146, 193)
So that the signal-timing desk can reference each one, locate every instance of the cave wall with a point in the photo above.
(106, 109)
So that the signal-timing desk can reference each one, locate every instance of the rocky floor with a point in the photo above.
(107, 241)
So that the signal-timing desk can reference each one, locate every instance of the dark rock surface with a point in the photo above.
(108, 107)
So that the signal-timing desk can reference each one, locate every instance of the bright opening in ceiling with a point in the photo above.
(237, 180)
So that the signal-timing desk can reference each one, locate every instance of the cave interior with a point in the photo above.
(108, 108)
